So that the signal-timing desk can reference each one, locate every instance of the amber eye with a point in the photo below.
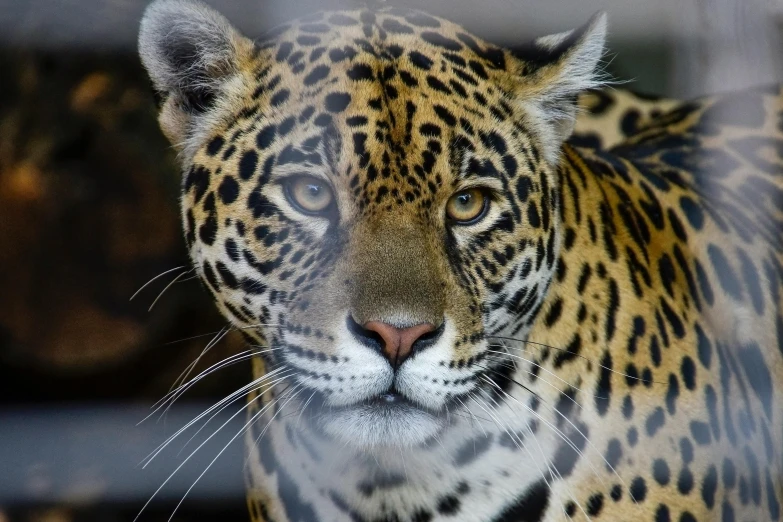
(309, 195)
(467, 206)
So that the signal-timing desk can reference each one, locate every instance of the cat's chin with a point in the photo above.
(388, 421)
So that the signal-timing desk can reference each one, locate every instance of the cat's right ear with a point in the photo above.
(191, 53)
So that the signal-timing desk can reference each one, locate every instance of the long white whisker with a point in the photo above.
(290, 398)
(304, 407)
(232, 359)
(257, 383)
(473, 416)
(514, 438)
(166, 288)
(186, 372)
(542, 346)
(533, 363)
(191, 455)
(548, 424)
(566, 419)
(191, 278)
(231, 328)
(215, 414)
(145, 285)
(240, 432)
(552, 471)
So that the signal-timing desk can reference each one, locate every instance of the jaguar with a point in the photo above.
(458, 311)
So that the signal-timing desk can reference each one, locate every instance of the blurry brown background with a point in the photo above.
(88, 214)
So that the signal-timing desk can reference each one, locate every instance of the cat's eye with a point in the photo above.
(467, 206)
(309, 195)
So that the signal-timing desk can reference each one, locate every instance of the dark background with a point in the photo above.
(88, 214)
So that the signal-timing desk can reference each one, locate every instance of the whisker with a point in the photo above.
(186, 372)
(171, 438)
(228, 361)
(515, 382)
(232, 359)
(553, 472)
(216, 413)
(185, 461)
(191, 278)
(184, 375)
(304, 407)
(278, 399)
(518, 442)
(472, 415)
(145, 285)
(554, 428)
(641, 380)
(511, 433)
(533, 363)
(166, 288)
(566, 419)
(231, 329)
(243, 391)
(472, 418)
(240, 432)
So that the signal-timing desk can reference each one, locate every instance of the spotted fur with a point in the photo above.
(607, 117)
(609, 337)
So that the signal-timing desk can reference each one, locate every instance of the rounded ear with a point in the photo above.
(552, 71)
(190, 52)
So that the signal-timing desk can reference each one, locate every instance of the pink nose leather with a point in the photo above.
(398, 342)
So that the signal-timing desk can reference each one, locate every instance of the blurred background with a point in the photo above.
(89, 214)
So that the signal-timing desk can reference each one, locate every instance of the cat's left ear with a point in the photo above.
(552, 71)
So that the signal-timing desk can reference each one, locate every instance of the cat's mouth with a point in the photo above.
(396, 414)
(386, 420)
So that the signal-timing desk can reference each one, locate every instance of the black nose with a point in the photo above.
(395, 343)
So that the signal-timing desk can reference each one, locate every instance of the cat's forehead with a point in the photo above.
(383, 33)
